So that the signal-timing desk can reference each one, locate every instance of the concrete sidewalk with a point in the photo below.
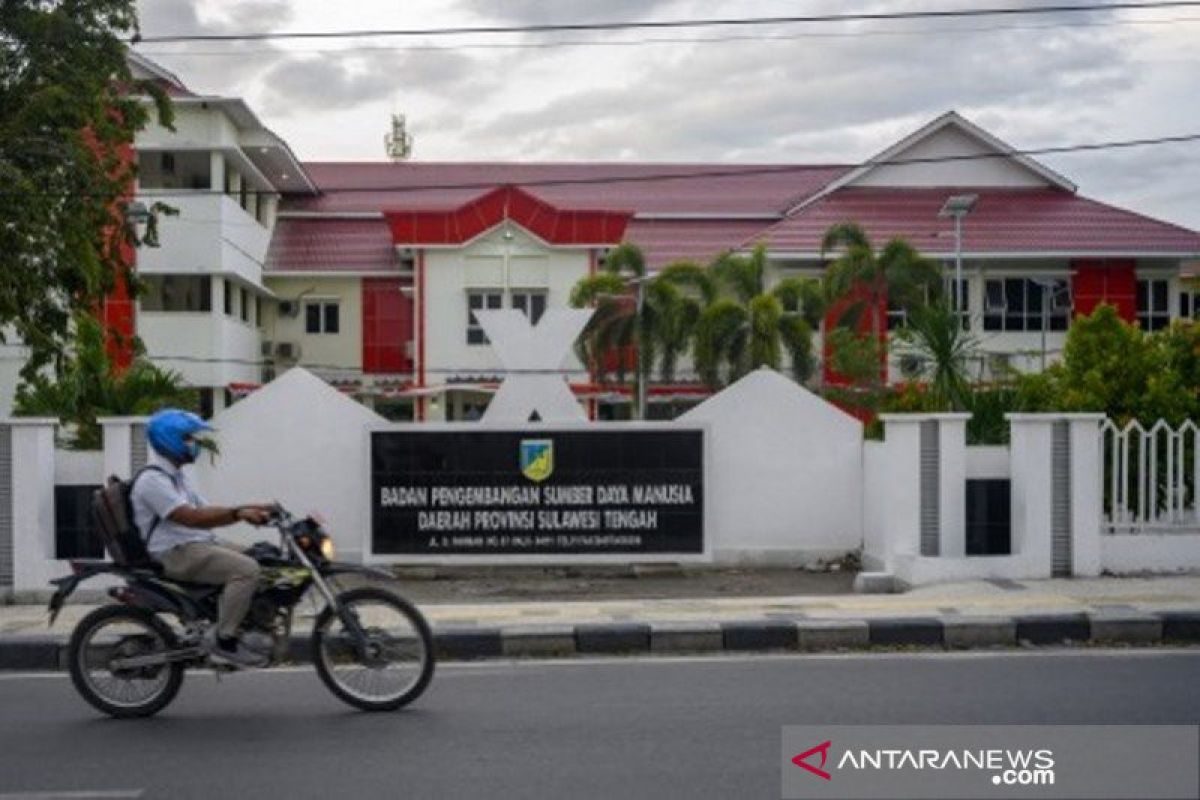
(970, 614)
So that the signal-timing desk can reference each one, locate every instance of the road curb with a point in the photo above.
(950, 632)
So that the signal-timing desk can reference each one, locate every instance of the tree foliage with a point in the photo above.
(747, 325)
(660, 332)
(933, 335)
(1115, 367)
(69, 109)
(897, 274)
(87, 387)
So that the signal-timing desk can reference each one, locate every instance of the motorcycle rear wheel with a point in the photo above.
(399, 661)
(116, 631)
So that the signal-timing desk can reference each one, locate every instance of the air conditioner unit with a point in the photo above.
(289, 308)
(266, 348)
(289, 351)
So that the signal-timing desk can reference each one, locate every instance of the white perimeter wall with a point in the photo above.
(786, 473)
(302, 443)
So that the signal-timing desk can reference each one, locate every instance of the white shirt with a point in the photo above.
(156, 495)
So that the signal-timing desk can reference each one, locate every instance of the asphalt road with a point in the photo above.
(655, 728)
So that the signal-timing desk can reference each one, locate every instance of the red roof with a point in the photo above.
(642, 188)
(554, 225)
(332, 245)
(666, 240)
(1003, 221)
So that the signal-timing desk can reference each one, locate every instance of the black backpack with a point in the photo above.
(112, 518)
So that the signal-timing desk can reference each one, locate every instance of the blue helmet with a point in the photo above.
(168, 431)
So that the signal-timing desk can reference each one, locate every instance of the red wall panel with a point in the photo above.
(387, 326)
(1112, 281)
(833, 315)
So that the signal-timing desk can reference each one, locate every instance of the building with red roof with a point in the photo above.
(369, 273)
(484, 235)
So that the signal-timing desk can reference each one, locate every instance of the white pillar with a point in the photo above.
(32, 502)
(1087, 491)
(903, 440)
(124, 445)
(1033, 476)
(216, 161)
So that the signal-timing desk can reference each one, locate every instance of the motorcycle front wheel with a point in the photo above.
(391, 667)
(114, 632)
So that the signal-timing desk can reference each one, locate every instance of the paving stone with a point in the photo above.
(768, 634)
(1126, 627)
(694, 637)
(967, 632)
(468, 644)
(30, 652)
(832, 634)
(1053, 628)
(925, 631)
(1180, 626)
(615, 638)
(530, 641)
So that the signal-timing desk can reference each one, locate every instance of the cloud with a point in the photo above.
(726, 100)
(540, 12)
(225, 68)
(300, 84)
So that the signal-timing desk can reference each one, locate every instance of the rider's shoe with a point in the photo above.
(238, 656)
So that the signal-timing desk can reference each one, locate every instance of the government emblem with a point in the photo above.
(537, 458)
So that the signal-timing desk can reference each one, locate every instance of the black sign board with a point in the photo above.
(490, 492)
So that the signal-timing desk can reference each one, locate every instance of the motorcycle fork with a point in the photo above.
(348, 617)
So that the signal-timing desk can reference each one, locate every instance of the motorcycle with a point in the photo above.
(371, 648)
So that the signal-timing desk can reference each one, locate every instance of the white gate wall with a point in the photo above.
(789, 480)
(786, 473)
(302, 443)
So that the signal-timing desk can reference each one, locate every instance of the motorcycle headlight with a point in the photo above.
(327, 549)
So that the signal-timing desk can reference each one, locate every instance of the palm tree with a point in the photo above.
(87, 386)
(745, 325)
(661, 329)
(934, 335)
(897, 274)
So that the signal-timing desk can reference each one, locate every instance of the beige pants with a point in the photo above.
(219, 562)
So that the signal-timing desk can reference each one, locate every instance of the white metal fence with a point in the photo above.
(1151, 477)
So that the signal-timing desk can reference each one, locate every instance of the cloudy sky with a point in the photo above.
(784, 94)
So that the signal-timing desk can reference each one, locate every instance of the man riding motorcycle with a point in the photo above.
(176, 524)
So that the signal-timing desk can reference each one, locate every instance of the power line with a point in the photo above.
(576, 27)
(706, 172)
(955, 30)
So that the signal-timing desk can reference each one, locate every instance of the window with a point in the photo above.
(176, 293)
(897, 317)
(227, 291)
(1016, 304)
(1153, 311)
(322, 316)
(181, 169)
(532, 303)
(258, 311)
(1189, 304)
(245, 305)
(480, 301)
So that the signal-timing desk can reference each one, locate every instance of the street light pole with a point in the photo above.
(958, 206)
(641, 372)
(958, 218)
